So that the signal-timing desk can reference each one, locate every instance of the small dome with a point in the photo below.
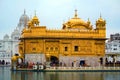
(35, 18)
(6, 37)
(100, 19)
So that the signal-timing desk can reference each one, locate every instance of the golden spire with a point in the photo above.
(35, 17)
(100, 15)
(100, 19)
(35, 12)
(76, 15)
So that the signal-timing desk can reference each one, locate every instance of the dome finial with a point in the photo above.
(35, 12)
(35, 20)
(24, 11)
(100, 15)
(76, 15)
(100, 19)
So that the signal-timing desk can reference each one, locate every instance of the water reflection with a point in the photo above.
(6, 74)
(65, 76)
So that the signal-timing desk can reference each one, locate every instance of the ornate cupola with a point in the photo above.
(89, 24)
(76, 23)
(35, 20)
(100, 23)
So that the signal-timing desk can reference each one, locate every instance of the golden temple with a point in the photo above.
(77, 40)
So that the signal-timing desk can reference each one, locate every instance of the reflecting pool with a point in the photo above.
(6, 74)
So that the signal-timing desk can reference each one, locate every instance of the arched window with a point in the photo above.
(51, 49)
(47, 48)
(75, 48)
(66, 48)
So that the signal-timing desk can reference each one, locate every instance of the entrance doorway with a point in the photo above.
(82, 63)
(54, 61)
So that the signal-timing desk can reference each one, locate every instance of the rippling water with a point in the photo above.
(6, 74)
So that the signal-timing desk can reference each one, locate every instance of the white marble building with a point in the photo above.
(5, 49)
(113, 50)
(9, 44)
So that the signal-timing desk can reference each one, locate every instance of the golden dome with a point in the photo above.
(75, 21)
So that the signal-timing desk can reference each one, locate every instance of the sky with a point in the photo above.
(52, 13)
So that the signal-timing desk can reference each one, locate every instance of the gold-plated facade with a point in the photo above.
(76, 38)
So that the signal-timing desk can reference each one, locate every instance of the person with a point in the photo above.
(72, 64)
(3, 62)
(64, 65)
(60, 63)
(0, 61)
(101, 61)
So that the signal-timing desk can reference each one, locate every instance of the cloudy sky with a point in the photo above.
(52, 13)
